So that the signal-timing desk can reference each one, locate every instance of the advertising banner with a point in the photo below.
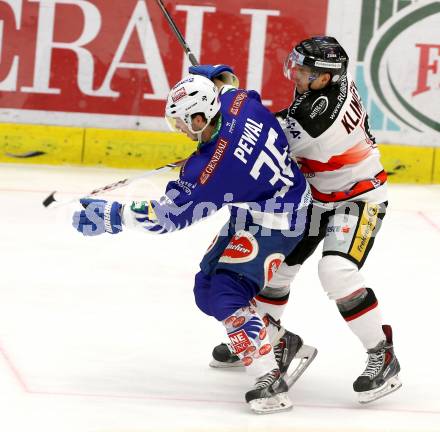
(402, 69)
(87, 74)
(111, 64)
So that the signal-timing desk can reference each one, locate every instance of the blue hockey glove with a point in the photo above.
(98, 217)
(222, 72)
(210, 71)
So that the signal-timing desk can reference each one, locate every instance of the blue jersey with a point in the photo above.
(245, 165)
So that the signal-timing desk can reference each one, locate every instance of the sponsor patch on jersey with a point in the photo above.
(186, 186)
(237, 102)
(372, 209)
(243, 247)
(239, 341)
(238, 322)
(213, 163)
(228, 321)
(341, 97)
(247, 361)
(265, 349)
(271, 265)
(376, 183)
(231, 125)
(178, 94)
(338, 229)
(214, 241)
(265, 320)
(319, 107)
(250, 350)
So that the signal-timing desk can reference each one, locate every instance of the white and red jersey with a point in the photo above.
(329, 136)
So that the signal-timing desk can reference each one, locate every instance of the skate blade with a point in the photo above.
(390, 386)
(274, 404)
(300, 363)
(223, 365)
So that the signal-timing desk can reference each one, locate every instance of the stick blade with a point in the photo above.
(26, 155)
(49, 200)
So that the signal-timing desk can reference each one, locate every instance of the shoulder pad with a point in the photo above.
(253, 94)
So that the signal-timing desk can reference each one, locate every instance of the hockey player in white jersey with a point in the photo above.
(328, 133)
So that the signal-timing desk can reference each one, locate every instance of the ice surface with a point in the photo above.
(102, 334)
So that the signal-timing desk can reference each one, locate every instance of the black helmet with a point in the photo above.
(322, 54)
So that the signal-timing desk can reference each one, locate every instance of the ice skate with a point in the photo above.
(380, 377)
(223, 357)
(269, 394)
(292, 355)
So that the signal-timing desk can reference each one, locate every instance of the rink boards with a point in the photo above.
(55, 145)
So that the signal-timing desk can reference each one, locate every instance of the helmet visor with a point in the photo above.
(294, 58)
(176, 124)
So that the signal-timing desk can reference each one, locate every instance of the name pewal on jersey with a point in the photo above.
(250, 136)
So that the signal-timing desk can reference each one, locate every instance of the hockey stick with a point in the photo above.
(116, 185)
(179, 36)
(225, 77)
(26, 155)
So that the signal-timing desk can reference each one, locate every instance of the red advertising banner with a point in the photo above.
(121, 57)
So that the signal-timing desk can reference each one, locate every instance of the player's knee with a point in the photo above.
(202, 287)
(339, 276)
(229, 292)
(284, 276)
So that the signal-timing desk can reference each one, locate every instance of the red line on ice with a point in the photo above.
(429, 221)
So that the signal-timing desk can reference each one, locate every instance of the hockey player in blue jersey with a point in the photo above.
(241, 161)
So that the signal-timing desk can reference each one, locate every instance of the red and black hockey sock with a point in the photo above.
(355, 308)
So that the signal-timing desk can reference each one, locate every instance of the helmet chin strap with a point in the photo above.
(198, 133)
(311, 79)
(314, 78)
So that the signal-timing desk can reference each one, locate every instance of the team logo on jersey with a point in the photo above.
(237, 102)
(213, 163)
(271, 265)
(319, 107)
(243, 247)
(239, 341)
